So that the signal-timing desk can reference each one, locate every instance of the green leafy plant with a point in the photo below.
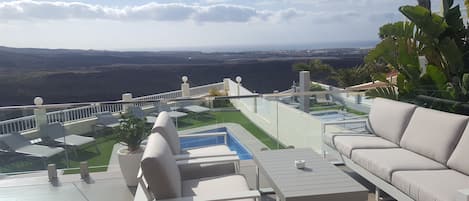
(344, 77)
(347, 77)
(442, 39)
(317, 68)
(219, 103)
(216, 92)
(316, 87)
(131, 132)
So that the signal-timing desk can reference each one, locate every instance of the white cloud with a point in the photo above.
(227, 13)
(32, 9)
(157, 12)
(124, 24)
(289, 13)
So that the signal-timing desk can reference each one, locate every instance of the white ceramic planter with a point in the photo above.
(129, 164)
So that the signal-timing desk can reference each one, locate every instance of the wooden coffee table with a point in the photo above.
(319, 180)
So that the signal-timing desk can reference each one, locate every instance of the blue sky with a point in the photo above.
(191, 24)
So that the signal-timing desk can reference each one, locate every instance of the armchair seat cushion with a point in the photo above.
(215, 149)
(345, 144)
(215, 186)
(438, 185)
(206, 170)
(383, 162)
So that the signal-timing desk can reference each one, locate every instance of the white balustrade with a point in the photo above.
(87, 112)
(18, 124)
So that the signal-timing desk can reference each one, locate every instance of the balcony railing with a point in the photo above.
(86, 112)
(18, 124)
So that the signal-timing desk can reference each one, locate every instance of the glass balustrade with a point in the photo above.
(31, 137)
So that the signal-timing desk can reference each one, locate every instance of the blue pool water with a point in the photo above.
(232, 143)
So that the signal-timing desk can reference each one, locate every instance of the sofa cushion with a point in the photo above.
(435, 185)
(458, 160)
(346, 144)
(433, 133)
(213, 186)
(160, 169)
(165, 126)
(388, 118)
(383, 162)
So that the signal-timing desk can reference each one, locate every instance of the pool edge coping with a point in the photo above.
(244, 136)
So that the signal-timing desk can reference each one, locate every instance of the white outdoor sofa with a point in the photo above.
(412, 153)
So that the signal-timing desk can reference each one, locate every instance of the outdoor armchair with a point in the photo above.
(165, 126)
(160, 178)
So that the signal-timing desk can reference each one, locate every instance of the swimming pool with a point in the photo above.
(232, 143)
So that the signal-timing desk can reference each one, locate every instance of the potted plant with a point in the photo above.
(131, 132)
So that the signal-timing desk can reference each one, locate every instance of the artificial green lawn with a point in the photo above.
(105, 144)
(198, 120)
(328, 106)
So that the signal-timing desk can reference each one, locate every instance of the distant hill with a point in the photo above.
(62, 75)
(31, 58)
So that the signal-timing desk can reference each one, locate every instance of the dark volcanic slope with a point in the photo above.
(109, 83)
(61, 76)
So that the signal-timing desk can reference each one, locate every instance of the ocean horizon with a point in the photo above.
(265, 47)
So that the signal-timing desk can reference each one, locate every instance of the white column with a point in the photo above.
(127, 97)
(185, 88)
(305, 85)
(226, 85)
(238, 80)
(40, 112)
(423, 62)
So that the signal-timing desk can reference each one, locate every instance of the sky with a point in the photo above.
(192, 24)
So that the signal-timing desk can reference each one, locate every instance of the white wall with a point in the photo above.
(289, 125)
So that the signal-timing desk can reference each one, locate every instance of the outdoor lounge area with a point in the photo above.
(244, 146)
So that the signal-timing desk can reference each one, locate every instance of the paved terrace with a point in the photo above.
(110, 185)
